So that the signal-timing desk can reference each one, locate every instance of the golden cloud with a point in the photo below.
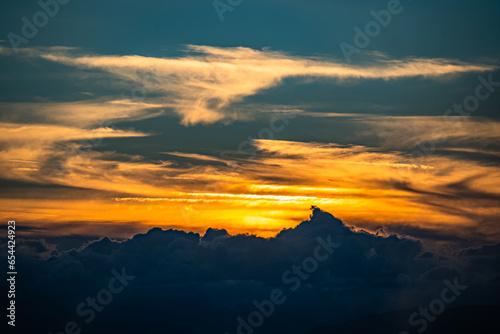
(201, 86)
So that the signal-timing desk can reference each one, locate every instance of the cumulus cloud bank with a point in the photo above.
(188, 283)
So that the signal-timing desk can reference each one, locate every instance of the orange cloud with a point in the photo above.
(362, 185)
(201, 86)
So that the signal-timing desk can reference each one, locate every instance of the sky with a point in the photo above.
(120, 116)
(250, 167)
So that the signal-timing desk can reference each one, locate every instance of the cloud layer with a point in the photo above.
(240, 183)
(202, 86)
(197, 283)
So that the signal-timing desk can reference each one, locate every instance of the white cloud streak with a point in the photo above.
(202, 85)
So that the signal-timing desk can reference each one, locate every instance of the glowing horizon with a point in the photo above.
(257, 185)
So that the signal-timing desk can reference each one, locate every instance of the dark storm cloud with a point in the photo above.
(188, 283)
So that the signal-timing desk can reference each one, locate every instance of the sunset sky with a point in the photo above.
(250, 166)
(159, 114)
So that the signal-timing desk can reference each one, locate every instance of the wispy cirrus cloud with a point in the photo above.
(366, 186)
(202, 86)
(394, 132)
(219, 188)
(27, 149)
(81, 114)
